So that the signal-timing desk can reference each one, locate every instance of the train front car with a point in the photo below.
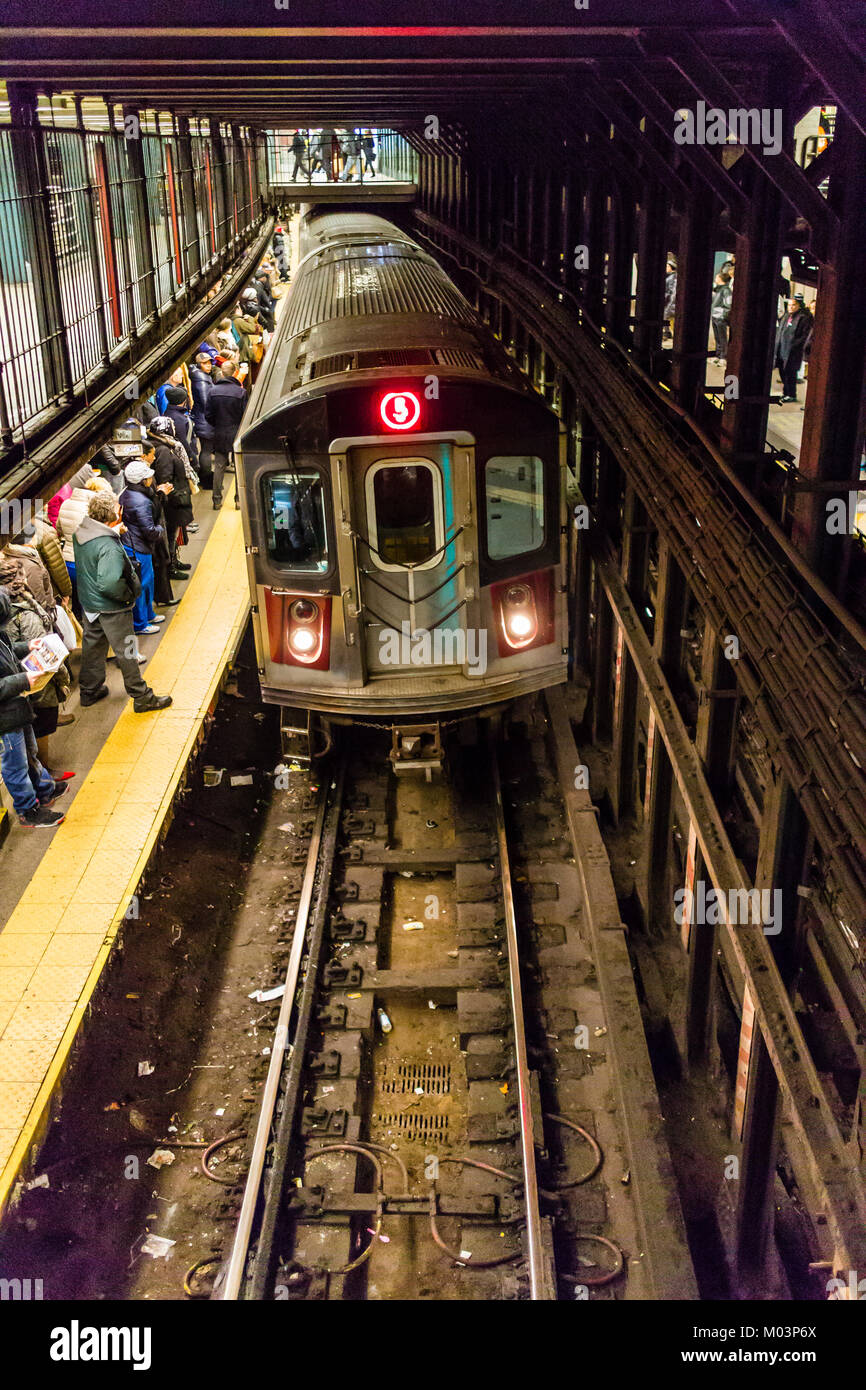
(402, 492)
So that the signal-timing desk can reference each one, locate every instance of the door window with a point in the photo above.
(404, 513)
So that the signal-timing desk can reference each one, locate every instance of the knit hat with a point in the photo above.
(12, 575)
(176, 395)
(137, 471)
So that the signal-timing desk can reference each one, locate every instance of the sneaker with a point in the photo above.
(147, 631)
(59, 789)
(99, 694)
(178, 574)
(37, 818)
(151, 702)
(160, 618)
(192, 527)
(59, 776)
(217, 506)
(182, 565)
(169, 603)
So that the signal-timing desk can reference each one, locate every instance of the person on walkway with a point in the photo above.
(30, 621)
(794, 330)
(368, 149)
(225, 409)
(29, 784)
(141, 538)
(352, 150)
(299, 152)
(108, 587)
(170, 467)
(720, 313)
(201, 380)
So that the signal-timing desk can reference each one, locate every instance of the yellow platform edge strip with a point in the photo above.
(221, 572)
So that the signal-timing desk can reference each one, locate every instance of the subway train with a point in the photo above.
(402, 491)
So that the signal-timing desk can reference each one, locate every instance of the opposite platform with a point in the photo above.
(59, 937)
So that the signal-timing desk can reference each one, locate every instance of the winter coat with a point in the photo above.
(48, 546)
(36, 575)
(71, 515)
(182, 421)
(77, 480)
(30, 620)
(16, 711)
(670, 294)
(107, 583)
(245, 327)
(266, 304)
(225, 409)
(140, 513)
(106, 461)
(723, 296)
(202, 385)
(792, 334)
(169, 468)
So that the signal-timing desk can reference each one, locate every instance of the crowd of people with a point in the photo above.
(101, 558)
(339, 155)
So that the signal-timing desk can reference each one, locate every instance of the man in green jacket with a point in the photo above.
(107, 589)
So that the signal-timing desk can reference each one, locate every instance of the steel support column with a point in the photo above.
(671, 592)
(833, 429)
(694, 286)
(623, 781)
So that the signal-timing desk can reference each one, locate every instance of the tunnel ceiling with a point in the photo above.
(264, 66)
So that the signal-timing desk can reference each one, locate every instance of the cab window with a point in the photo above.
(294, 516)
(514, 502)
(404, 513)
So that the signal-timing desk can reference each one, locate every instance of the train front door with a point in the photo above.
(408, 499)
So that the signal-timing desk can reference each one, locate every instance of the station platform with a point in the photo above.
(58, 939)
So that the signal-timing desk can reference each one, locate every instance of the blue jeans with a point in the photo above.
(23, 774)
(142, 613)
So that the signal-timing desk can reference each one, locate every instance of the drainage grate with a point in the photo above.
(414, 1078)
(433, 1129)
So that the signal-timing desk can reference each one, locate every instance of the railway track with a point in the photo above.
(417, 1135)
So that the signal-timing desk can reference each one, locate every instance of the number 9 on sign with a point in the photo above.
(400, 410)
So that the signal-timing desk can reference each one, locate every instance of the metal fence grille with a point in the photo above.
(103, 221)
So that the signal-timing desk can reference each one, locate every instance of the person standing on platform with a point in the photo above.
(142, 536)
(170, 467)
(794, 330)
(29, 784)
(108, 587)
(201, 380)
(29, 622)
(720, 313)
(225, 409)
(163, 597)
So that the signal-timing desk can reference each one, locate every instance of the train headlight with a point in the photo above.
(519, 616)
(303, 640)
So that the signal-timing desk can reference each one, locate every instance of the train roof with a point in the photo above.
(366, 297)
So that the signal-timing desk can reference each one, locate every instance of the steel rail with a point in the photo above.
(537, 1279)
(231, 1286)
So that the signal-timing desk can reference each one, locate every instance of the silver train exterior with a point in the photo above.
(402, 490)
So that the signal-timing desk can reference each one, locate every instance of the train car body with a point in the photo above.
(402, 492)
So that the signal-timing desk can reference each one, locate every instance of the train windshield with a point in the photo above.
(514, 497)
(294, 515)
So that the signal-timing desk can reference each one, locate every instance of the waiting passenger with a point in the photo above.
(163, 594)
(28, 622)
(201, 380)
(170, 467)
(29, 784)
(77, 480)
(108, 587)
(793, 332)
(720, 313)
(177, 410)
(225, 409)
(142, 536)
(44, 538)
(267, 304)
(108, 466)
(176, 379)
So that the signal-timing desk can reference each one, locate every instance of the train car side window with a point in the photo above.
(404, 513)
(514, 499)
(294, 517)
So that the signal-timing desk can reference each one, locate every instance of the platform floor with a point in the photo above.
(60, 935)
